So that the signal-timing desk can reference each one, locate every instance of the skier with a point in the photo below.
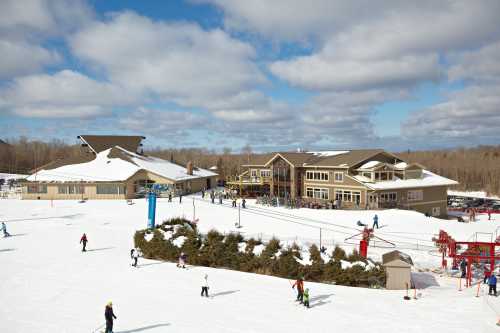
(203, 194)
(170, 197)
(463, 268)
(359, 223)
(84, 241)
(489, 214)
(300, 289)
(135, 256)
(220, 199)
(306, 298)
(234, 203)
(204, 286)
(4, 229)
(109, 316)
(212, 196)
(244, 203)
(180, 198)
(375, 221)
(182, 260)
(492, 282)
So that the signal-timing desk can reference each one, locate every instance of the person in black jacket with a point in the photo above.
(109, 316)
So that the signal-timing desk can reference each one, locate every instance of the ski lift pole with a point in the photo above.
(239, 215)
(194, 211)
(320, 247)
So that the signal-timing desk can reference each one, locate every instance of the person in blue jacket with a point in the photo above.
(4, 229)
(375, 221)
(492, 282)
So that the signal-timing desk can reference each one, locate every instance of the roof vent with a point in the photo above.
(189, 168)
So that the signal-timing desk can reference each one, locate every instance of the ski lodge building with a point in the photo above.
(112, 167)
(357, 179)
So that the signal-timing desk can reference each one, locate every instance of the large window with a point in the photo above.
(37, 188)
(383, 175)
(348, 196)
(388, 197)
(70, 189)
(265, 173)
(339, 177)
(111, 189)
(415, 195)
(317, 175)
(317, 193)
(253, 172)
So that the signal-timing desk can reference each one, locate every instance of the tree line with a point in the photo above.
(475, 168)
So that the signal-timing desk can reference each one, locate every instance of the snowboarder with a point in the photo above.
(375, 221)
(204, 286)
(300, 289)
(244, 203)
(135, 256)
(306, 298)
(492, 282)
(182, 260)
(170, 197)
(84, 241)
(4, 229)
(463, 268)
(109, 316)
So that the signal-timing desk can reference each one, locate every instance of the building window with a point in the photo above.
(265, 173)
(367, 175)
(253, 172)
(37, 188)
(339, 177)
(383, 175)
(317, 175)
(346, 196)
(317, 193)
(416, 195)
(110, 189)
(436, 211)
(70, 189)
(356, 197)
(62, 189)
(388, 197)
(338, 195)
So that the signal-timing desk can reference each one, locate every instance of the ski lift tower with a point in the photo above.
(367, 235)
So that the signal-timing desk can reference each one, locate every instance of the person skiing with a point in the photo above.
(220, 199)
(244, 203)
(234, 203)
(109, 316)
(300, 289)
(4, 229)
(84, 241)
(182, 260)
(212, 196)
(463, 268)
(169, 196)
(135, 256)
(204, 286)
(306, 298)
(492, 282)
(180, 198)
(375, 221)
(203, 194)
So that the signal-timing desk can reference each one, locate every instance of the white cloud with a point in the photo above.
(470, 115)
(63, 94)
(175, 61)
(477, 65)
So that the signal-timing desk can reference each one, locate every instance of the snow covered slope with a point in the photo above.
(48, 285)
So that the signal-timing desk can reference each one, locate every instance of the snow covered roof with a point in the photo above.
(8, 176)
(329, 153)
(117, 164)
(370, 164)
(428, 179)
(401, 165)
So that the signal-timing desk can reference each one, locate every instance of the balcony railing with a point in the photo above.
(249, 180)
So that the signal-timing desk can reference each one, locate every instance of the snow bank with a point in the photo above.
(179, 241)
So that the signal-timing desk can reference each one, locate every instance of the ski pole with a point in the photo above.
(95, 330)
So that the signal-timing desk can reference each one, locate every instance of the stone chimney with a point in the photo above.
(189, 168)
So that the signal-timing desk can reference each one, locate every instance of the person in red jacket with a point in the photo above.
(84, 241)
(300, 289)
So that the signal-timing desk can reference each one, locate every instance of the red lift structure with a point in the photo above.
(472, 251)
(367, 235)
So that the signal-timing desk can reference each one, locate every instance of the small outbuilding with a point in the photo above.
(397, 269)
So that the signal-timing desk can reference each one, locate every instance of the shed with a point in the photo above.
(398, 270)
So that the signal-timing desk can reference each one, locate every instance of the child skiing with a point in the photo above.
(4, 229)
(182, 260)
(109, 316)
(204, 286)
(300, 289)
(306, 298)
(84, 241)
(375, 222)
(135, 256)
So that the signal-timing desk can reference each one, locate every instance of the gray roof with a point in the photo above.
(100, 143)
(396, 255)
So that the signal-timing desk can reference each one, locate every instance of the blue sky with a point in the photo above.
(276, 75)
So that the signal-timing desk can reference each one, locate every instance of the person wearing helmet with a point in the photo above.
(306, 298)
(109, 316)
(300, 289)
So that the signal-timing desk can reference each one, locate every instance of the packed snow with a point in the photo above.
(49, 285)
